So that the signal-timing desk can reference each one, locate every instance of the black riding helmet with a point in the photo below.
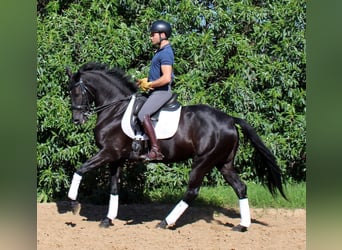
(161, 27)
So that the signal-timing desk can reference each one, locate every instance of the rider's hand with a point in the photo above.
(144, 84)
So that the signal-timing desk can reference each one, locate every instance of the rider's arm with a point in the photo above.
(165, 78)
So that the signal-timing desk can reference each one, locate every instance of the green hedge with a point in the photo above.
(246, 58)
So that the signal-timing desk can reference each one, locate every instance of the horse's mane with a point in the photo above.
(114, 72)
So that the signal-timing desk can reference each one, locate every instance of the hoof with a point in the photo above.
(75, 207)
(162, 224)
(106, 222)
(239, 228)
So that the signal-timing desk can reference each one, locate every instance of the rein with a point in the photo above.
(86, 108)
(105, 106)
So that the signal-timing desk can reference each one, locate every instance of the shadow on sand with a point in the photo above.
(139, 213)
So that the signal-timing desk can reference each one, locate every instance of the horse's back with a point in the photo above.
(202, 115)
(206, 127)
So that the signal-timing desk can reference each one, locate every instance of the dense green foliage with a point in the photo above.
(244, 57)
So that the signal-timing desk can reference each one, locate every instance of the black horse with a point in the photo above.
(205, 134)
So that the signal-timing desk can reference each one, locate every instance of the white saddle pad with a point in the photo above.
(165, 127)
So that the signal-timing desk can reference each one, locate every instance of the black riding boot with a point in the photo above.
(154, 153)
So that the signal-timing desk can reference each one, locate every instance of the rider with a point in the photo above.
(158, 83)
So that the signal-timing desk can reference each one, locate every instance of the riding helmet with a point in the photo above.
(161, 26)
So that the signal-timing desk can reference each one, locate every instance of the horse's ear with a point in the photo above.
(68, 71)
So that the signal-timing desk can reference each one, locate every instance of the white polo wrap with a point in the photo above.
(76, 180)
(113, 206)
(245, 213)
(176, 212)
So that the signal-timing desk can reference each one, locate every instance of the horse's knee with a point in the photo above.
(191, 194)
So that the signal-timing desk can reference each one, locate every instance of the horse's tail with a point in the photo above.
(267, 168)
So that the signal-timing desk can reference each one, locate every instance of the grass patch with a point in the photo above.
(259, 196)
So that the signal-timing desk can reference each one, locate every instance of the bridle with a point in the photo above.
(86, 108)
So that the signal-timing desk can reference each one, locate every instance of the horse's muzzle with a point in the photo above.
(79, 117)
(78, 120)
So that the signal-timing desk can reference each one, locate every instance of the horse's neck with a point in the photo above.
(114, 112)
(106, 92)
(107, 100)
(107, 96)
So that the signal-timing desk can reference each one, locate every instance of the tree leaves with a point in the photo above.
(246, 58)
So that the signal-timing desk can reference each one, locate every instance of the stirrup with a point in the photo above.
(153, 155)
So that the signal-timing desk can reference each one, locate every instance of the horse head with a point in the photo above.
(95, 82)
(80, 98)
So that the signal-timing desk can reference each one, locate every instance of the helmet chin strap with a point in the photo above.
(161, 39)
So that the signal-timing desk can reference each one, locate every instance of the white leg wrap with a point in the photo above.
(76, 180)
(245, 213)
(113, 206)
(176, 212)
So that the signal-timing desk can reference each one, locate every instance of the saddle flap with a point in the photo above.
(139, 102)
(165, 125)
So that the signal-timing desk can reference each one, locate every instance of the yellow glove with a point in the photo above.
(144, 84)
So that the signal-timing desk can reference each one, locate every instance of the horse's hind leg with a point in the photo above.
(196, 177)
(233, 179)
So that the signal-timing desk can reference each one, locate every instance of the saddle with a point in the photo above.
(165, 122)
(171, 105)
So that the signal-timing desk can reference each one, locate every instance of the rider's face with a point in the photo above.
(155, 37)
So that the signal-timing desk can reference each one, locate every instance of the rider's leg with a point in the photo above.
(154, 102)
(154, 153)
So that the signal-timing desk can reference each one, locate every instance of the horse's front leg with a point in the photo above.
(98, 160)
(113, 199)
